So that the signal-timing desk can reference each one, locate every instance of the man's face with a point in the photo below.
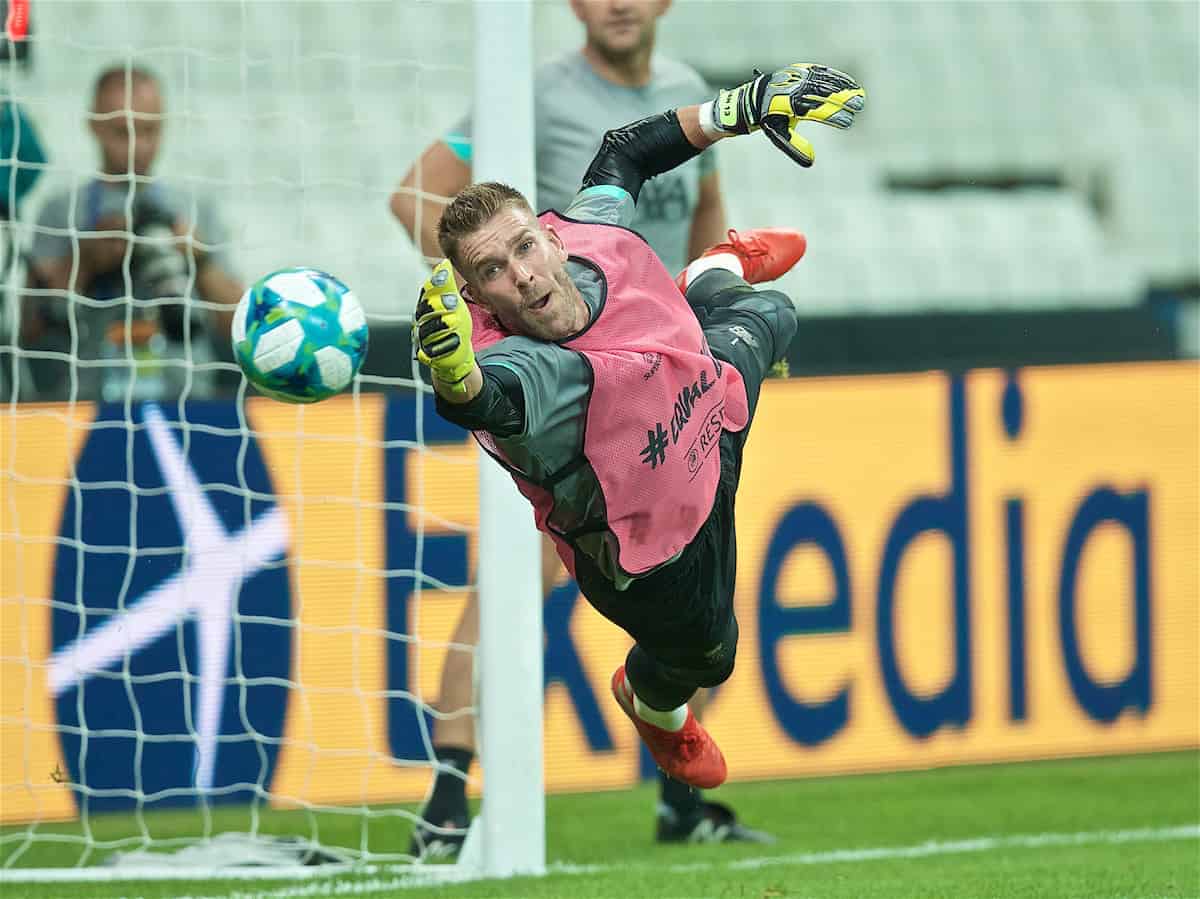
(515, 268)
(619, 27)
(121, 122)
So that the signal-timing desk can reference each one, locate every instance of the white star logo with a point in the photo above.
(216, 564)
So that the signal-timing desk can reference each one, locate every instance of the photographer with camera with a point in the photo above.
(118, 264)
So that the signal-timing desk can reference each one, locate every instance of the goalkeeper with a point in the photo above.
(619, 407)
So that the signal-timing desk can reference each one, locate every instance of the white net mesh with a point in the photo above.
(220, 616)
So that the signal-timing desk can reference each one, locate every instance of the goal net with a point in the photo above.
(219, 614)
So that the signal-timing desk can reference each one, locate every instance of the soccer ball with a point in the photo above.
(299, 335)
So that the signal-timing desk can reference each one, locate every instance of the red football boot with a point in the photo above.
(765, 253)
(688, 754)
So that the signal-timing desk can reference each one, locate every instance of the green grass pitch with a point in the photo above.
(1099, 827)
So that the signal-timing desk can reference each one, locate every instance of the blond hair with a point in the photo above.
(471, 208)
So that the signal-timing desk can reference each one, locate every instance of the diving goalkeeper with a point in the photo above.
(619, 405)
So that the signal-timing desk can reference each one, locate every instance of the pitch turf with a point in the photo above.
(1103, 827)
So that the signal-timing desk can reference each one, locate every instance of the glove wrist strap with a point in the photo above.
(736, 111)
(454, 385)
(452, 376)
(708, 121)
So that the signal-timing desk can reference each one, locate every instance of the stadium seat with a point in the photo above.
(306, 116)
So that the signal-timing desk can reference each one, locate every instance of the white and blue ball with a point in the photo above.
(300, 335)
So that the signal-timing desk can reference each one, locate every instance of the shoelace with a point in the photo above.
(690, 745)
(751, 246)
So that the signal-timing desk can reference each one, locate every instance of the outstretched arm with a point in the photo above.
(774, 103)
(472, 397)
(628, 157)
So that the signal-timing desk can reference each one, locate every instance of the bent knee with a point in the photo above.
(719, 660)
(780, 314)
(714, 677)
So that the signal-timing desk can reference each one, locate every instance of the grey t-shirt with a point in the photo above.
(163, 365)
(573, 107)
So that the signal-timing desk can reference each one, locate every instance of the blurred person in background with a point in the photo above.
(126, 234)
(613, 79)
(584, 340)
(22, 160)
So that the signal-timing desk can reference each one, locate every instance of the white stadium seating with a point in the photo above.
(301, 117)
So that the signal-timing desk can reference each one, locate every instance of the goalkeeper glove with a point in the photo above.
(802, 92)
(442, 329)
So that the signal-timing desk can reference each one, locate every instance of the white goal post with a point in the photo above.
(510, 614)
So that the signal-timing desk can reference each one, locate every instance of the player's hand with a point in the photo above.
(777, 103)
(442, 328)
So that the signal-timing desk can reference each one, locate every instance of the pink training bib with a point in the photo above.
(658, 405)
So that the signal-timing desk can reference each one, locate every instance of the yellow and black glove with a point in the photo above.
(776, 103)
(442, 329)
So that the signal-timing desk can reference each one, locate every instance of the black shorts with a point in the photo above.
(682, 614)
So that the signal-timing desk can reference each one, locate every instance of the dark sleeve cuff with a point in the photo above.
(630, 156)
(498, 408)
